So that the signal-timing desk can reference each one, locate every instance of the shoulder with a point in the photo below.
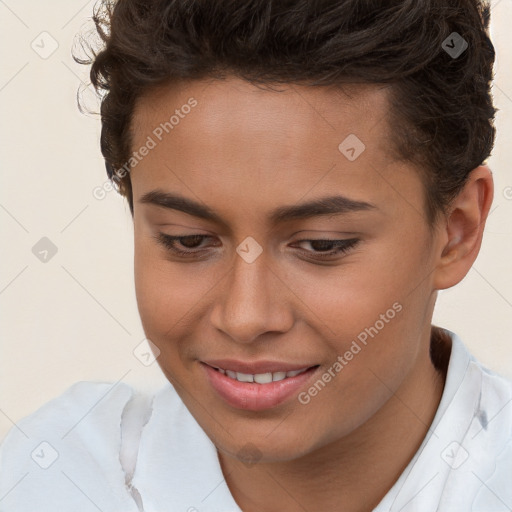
(80, 405)
(489, 443)
(495, 399)
(465, 460)
(482, 466)
(486, 396)
(72, 442)
(493, 416)
(472, 385)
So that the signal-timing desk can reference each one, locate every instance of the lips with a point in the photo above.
(256, 386)
(260, 378)
(256, 366)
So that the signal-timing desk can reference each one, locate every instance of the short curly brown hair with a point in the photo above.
(441, 111)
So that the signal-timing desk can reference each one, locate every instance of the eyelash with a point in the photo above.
(340, 246)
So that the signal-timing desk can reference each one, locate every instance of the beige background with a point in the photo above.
(75, 316)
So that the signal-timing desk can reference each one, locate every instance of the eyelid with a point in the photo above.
(341, 246)
(168, 242)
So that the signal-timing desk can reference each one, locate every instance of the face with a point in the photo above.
(276, 241)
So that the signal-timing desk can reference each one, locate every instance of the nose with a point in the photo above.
(252, 302)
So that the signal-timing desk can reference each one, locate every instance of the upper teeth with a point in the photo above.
(260, 378)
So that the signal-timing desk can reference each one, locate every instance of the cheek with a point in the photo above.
(342, 301)
(158, 290)
(372, 313)
(169, 296)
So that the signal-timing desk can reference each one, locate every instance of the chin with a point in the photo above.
(257, 452)
(269, 446)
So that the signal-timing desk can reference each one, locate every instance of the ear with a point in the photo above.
(462, 228)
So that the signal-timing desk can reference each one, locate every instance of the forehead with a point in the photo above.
(298, 112)
(265, 146)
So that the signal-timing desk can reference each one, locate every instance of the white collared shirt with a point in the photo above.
(101, 446)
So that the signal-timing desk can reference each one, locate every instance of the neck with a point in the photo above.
(357, 470)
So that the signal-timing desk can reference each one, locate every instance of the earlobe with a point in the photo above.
(463, 229)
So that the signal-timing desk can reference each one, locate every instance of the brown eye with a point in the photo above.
(324, 248)
(191, 242)
(186, 245)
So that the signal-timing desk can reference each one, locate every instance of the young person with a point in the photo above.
(303, 178)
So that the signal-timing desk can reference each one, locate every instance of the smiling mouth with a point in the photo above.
(261, 378)
(257, 386)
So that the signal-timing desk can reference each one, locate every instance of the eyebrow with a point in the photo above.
(330, 205)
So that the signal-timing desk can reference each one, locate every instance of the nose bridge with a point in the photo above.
(250, 302)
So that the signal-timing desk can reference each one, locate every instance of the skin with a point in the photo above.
(243, 152)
